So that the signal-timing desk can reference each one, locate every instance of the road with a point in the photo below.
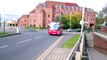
(26, 46)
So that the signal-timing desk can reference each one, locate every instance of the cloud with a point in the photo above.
(9, 17)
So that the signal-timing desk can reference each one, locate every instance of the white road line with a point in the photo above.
(38, 37)
(3, 46)
(24, 41)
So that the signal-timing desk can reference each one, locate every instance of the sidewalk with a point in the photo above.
(93, 53)
(96, 55)
(58, 54)
(55, 52)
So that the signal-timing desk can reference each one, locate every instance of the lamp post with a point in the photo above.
(70, 19)
(4, 27)
(60, 13)
(82, 21)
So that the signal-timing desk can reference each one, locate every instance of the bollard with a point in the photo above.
(18, 30)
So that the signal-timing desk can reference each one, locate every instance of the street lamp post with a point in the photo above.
(60, 14)
(70, 19)
(82, 21)
(4, 27)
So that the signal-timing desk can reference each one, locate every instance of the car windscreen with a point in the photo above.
(55, 27)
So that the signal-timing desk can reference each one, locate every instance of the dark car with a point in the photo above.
(78, 30)
(69, 30)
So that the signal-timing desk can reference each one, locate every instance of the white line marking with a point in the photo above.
(38, 37)
(3, 46)
(24, 41)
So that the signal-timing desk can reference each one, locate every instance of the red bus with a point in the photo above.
(54, 28)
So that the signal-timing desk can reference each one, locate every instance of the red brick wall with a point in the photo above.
(100, 43)
(104, 29)
(23, 21)
(51, 10)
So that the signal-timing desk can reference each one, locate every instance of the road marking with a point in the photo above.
(24, 41)
(3, 46)
(38, 37)
(49, 49)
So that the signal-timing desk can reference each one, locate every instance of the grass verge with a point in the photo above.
(71, 42)
(3, 34)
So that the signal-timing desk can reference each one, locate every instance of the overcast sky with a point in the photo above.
(20, 7)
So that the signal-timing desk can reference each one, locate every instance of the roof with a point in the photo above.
(32, 11)
(25, 16)
(61, 3)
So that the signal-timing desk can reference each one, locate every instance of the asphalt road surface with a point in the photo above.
(26, 46)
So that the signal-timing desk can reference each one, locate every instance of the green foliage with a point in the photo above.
(65, 19)
(75, 23)
(3, 33)
(71, 42)
(57, 18)
(65, 24)
(30, 27)
(99, 19)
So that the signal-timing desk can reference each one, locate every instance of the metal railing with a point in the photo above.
(77, 50)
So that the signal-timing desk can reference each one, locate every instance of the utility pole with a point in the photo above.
(70, 19)
(60, 14)
(82, 21)
(4, 27)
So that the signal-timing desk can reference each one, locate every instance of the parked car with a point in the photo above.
(78, 30)
(69, 30)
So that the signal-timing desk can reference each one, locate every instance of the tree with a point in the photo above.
(74, 22)
(57, 18)
(65, 19)
(78, 15)
(101, 17)
(104, 10)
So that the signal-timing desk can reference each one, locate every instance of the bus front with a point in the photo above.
(54, 29)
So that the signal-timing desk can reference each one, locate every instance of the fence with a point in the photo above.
(78, 50)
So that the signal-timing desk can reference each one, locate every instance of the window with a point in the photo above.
(48, 15)
(65, 7)
(56, 6)
(40, 5)
(44, 5)
(76, 8)
(34, 20)
(25, 20)
(60, 6)
(68, 7)
(34, 25)
(30, 25)
(73, 8)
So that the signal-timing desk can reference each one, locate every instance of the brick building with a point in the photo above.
(46, 12)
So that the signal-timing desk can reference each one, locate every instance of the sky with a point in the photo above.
(20, 7)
